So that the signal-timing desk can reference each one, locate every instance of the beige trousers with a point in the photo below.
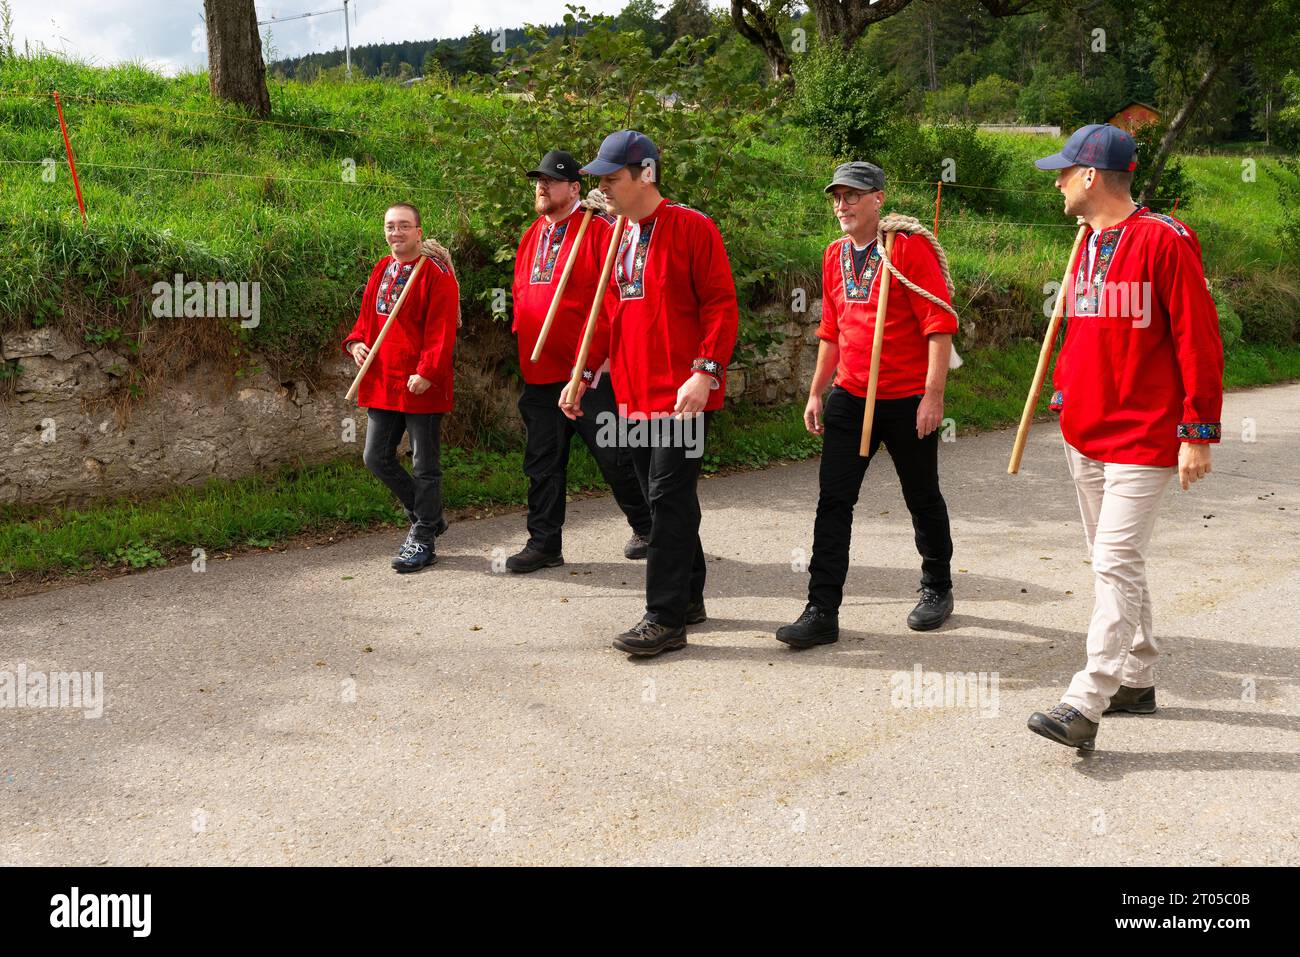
(1118, 504)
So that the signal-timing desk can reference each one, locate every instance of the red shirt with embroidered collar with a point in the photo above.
(1141, 369)
(849, 302)
(676, 313)
(539, 263)
(420, 341)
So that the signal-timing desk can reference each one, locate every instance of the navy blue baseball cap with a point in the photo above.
(624, 148)
(1100, 145)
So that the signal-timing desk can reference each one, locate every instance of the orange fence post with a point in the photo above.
(1175, 209)
(72, 163)
(938, 197)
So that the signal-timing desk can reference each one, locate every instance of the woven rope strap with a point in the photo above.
(894, 223)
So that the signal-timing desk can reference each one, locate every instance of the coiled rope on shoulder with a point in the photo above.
(897, 223)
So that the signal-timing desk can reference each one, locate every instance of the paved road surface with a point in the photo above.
(492, 722)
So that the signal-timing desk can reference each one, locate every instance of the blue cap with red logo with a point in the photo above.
(1100, 146)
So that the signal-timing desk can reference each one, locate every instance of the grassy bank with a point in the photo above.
(342, 498)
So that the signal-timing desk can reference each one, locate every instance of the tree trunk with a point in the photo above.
(762, 32)
(1180, 121)
(236, 71)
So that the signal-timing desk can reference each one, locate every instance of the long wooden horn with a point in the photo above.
(877, 340)
(559, 288)
(1044, 357)
(374, 350)
(589, 332)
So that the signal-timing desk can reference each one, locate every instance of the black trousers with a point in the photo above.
(917, 463)
(420, 490)
(546, 460)
(675, 569)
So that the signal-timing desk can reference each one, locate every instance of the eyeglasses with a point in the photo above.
(398, 227)
(850, 197)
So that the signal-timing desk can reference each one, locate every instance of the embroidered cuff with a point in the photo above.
(588, 375)
(1058, 401)
(711, 367)
(1199, 431)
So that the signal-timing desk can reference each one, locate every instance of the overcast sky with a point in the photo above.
(169, 36)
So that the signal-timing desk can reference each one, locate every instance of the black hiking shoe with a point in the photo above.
(1065, 725)
(813, 627)
(648, 637)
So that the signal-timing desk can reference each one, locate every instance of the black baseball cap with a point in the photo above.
(1100, 146)
(858, 174)
(624, 148)
(557, 164)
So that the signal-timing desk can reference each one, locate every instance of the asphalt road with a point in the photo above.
(312, 707)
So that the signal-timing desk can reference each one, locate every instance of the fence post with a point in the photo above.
(72, 163)
(938, 197)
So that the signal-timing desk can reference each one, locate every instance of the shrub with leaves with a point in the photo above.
(843, 104)
(569, 92)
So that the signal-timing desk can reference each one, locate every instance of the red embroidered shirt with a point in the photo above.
(1141, 369)
(420, 341)
(676, 308)
(539, 263)
(849, 302)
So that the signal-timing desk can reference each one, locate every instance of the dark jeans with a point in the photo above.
(419, 491)
(675, 569)
(917, 463)
(546, 461)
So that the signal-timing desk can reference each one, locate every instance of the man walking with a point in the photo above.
(1139, 386)
(408, 387)
(914, 360)
(668, 343)
(547, 246)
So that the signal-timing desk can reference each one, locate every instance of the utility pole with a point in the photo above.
(347, 32)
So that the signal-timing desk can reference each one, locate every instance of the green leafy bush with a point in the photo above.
(843, 104)
(931, 153)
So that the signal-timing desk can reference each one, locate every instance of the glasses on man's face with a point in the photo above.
(402, 227)
(848, 197)
(548, 184)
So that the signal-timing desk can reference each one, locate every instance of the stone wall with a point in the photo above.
(69, 439)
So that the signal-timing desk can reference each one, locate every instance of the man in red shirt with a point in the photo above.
(914, 362)
(546, 247)
(409, 385)
(1139, 385)
(668, 343)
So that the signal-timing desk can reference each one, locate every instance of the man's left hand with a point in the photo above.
(418, 384)
(693, 396)
(929, 414)
(1193, 463)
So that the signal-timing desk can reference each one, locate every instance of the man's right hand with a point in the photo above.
(812, 415)
(572, 408)
(359, 352)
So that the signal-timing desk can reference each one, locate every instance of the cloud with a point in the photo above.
(162, 35)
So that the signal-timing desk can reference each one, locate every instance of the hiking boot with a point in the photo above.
(648, 637)
(813, 627)
(695, 614)
(1065, 725)
(638, 546)
(931, 611)
(530, 560)
(410, 540)
(413, 556)
(1133, 700)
